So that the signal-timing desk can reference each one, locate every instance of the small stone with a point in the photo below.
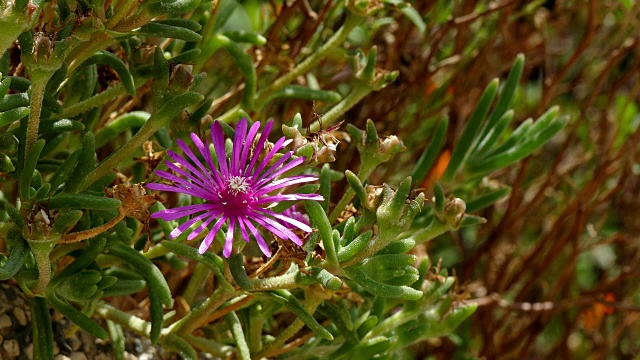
(57, 316)
(74, 342)
(77, 355)
(56, 349)
(102, 356)
(20, 316)
(61, 357)
(18, 302)
(11, 347)
(137, 345)
(28, 351)
(129, 356)
(5, 321)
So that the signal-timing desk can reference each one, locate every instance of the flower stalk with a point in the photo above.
(313, 299)
(198, 315)
(155, 123)
(41, 250)
(38, 88)
(88, 234)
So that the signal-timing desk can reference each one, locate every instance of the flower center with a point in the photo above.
(237, 184)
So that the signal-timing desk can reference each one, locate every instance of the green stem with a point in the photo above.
(136, 324)
(310, 305)
(133, 22)
(199, 277)
(42, 331)
(331, 117)
(366, 169)
(233, 322)
(116, 334)
(376, 244)
(287, 281)
(38, 87)
(44, 276)
(99, 99)
(124, 152)
(435, 228)
(189, 323)
(210, 346)
(84, 50)
(64, 249)
(256, 324)
(132, 322)
(92, 102)
(384, 238)
(207, 33)
(307, 64)
(229, 115)
(41, 249)
(156, 251)
(155, 122)
(122, 9)
(391, 323)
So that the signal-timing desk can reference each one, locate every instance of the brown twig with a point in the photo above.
(87, 234)
(225, 310)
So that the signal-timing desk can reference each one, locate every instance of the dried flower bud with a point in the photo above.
(374, 196)
(454, 211)
(292, 132)
(181, 78)
(42, 47)
(391, 145)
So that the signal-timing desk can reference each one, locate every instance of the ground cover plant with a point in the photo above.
(322, 179)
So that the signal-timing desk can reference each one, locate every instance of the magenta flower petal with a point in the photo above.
(288, 197)
(243, 230)
(246, 150)
(277, 146)
(228, 242)
(192, 156)
(204, 151)
(261, 243)
(172, 214)
(276, 227)
(194, 234)
(217, 135)
(211, 235)
(260, 145)
(279, 184)
(238, 145)
(300, 225)
(239, 191)
(183, 182)
(184, 226)
(276, 165)
(169, 188)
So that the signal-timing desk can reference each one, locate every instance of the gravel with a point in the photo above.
(16, 335)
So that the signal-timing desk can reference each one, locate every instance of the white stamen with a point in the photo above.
(237, 184)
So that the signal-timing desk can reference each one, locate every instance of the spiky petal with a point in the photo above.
(239, 191)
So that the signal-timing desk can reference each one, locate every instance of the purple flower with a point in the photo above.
(241, 189)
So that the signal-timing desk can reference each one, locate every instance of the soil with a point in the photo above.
(16, 341)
